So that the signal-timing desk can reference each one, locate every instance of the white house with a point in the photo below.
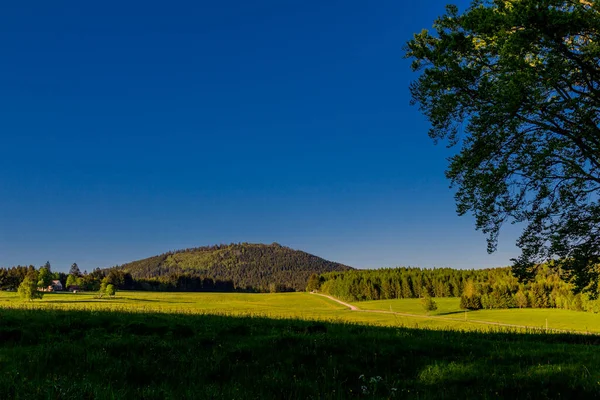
(56, 286)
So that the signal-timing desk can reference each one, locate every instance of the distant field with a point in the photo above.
(450, 308)
(446, 306)
(276, 305)
(314, 307)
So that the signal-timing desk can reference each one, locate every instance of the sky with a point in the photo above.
(128, 129)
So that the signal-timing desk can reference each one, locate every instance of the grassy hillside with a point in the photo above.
(256, 266)
(58, 354)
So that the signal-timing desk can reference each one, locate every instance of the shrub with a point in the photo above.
(110, 290)
(428, 303)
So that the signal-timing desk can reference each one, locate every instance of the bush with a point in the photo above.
(470, 302)
(110, 290)
(428, 303)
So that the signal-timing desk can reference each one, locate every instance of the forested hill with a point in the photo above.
(245, 266)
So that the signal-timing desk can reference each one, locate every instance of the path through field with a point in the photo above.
(354, 308)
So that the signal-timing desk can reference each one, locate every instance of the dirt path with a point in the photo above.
(350, 306)
(474, 321)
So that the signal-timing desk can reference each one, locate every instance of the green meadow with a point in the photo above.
(449, 307)
(278, 305)
(152, 345)
(314, 307)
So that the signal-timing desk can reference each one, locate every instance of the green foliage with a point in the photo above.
(428, 303)
(277, 288)
(252, 267)
(398, 283)
(539, 296)
(28, 289)
(103, 285)
(521, 300)
(516, 85)
(72, 280)
(111, 290)
(75, 270)
(498, 296)
(486, 288)
(471, 297)
(47, 266)
(314, 283)
(470, 302)
(44, 278)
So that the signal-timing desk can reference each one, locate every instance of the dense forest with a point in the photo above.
(485, 288)
(244, 266)
(223, 268)
(11, 279)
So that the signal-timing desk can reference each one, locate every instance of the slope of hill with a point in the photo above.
(256, 266)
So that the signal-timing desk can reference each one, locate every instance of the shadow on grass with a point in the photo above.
(107, 301)
(155, 356)
(451, 313)
(113, 300)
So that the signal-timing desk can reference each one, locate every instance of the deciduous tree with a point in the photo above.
(111, 290)
(28, 289)
(44, 278)
(515, 85)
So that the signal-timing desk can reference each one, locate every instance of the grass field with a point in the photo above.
(282, 346)
(450, 308)
(446, 306)
(307, 306)
(279, 305)
(74, 354)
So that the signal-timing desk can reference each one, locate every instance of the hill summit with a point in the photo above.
(245, 265)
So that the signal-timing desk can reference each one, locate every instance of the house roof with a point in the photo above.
(56, 283)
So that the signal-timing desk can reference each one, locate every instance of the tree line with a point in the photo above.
(39, 280)
(478, 289)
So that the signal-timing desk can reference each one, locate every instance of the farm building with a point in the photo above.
(55, 286)
(73, 288)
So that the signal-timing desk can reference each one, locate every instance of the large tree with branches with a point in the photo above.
(514, 86)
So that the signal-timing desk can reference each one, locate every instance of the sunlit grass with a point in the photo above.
(531, 317)
(313, 307)
(276, 305)
(446, 306)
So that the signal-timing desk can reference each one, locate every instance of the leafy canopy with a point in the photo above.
(72, 280)
(515, 86)
(44, 278)
(28, 289)
(110, 290)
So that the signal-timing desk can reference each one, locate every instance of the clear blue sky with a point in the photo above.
(132, 128)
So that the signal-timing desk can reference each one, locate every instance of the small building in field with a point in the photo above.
(55, 286)
(73, 288)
